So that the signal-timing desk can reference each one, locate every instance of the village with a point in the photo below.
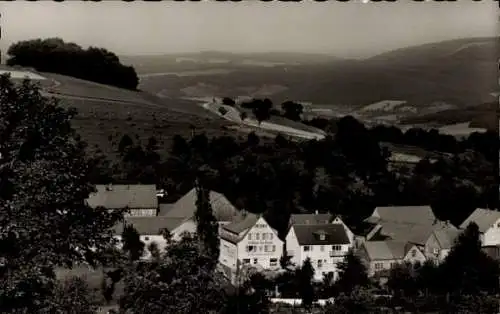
(389, 237)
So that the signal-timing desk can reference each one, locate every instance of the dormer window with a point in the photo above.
(322, 237)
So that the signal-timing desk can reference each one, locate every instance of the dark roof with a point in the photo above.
(119, 196)
(309, 234)
(149, 225)
(185, 207)
(307, 219)
(244, 222)
(421, 215)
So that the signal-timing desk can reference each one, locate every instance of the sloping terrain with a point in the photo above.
(106, 113)
(461, 72)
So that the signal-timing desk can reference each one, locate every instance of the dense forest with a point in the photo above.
(348, 173)
(56, 56)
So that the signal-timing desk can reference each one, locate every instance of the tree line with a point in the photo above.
(348, 173)
(56, 56)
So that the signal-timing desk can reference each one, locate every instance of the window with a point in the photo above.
(413, 253)
(267, 248)
(255, 260)
(146, 238)
(379, 266)
(320, 263)
(336, 248)
(257, 236)
(322, 248)
(270, 236)
(251, 248)
(264, 236)
(322, 237)
(260, 248)
(249, 236)
(435, 251)
(273, 262)
(498, 225)
(274, 248)
(307, 248)
(246, 261)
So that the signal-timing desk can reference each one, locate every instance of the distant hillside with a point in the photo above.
(461, 72)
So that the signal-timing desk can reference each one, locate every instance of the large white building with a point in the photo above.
(249, 241)
(324, 244)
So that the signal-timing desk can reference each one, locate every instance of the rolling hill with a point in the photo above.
(462, 72)
(106, 113)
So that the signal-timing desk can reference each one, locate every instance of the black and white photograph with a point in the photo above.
(249, 157)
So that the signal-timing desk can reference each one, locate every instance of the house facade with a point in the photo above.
(139, 199)
(488, 222)
(381, 256)
(439, 244)
(324, 244)
(150, 229)
(249, 241)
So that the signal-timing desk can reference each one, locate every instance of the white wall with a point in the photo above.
(414, 255)
(147, 240)
(260, 256)
(187, 226)
(492, 235)
(228, 254)
(293, 248)
(329, 257)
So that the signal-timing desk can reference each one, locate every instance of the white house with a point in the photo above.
(140, 199)
(181, 214)
(488, 222)
(324, 244)
(249, 241)
(150, 229)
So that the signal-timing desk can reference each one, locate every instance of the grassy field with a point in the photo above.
(106, 113)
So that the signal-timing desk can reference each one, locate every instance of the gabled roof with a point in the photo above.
(138, 196)
(309, 219)
(405, 232)
(484, 219)
(148, 225)
(385, 250)
(164, 209)
(446, 236)
(422, 215)
(310, 234)
(244, 222)
(185, 207)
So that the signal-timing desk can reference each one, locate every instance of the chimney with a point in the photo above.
(316, 212)
(109, 187)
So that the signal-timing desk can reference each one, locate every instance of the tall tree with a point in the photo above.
(352, 273)
(132, 243)
(305, 276)
(44, 181)
(207, 228)
(467, 269)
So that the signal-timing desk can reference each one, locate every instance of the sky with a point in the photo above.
(352, 29)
